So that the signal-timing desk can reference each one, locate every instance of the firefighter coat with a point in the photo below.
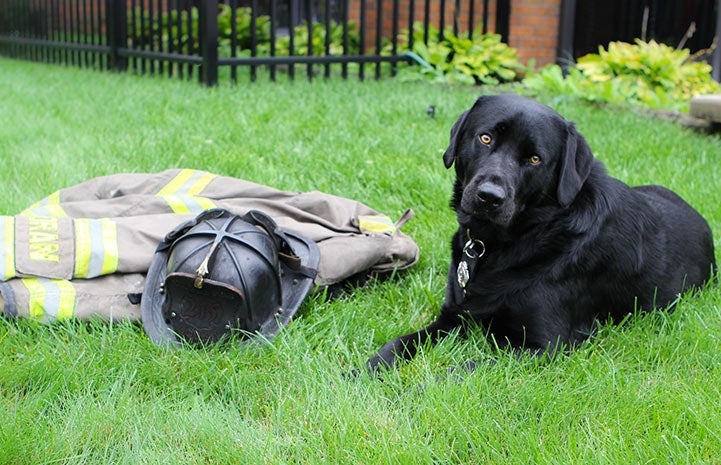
(82, 251)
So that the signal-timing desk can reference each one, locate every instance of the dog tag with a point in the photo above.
(467, 266)
(463, 274)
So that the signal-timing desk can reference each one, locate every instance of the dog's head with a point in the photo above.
(512, 153)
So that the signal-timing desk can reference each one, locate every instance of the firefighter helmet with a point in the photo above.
(221, 273)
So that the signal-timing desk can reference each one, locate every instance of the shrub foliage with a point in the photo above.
(178, 31)
(647, 74)
(464, 58)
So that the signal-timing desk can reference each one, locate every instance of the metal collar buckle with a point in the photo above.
(469, 250)
(472, 251)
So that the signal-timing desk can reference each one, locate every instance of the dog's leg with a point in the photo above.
(405, 347)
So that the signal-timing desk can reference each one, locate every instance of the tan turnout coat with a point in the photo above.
(81, 251)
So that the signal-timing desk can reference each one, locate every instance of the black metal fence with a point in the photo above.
(212, 38)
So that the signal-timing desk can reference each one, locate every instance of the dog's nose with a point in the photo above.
(491, 195)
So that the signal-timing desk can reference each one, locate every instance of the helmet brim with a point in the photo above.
(295, 287)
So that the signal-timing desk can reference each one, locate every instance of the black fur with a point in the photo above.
(565, 244)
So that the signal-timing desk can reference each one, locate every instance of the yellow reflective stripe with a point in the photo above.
(50, 299)
(54, 198)
(177, 204)
(59, 299)
(110, 246)
(96, 247)
(376, 224)
(187, 182)
(200, 184)
(188, 204)
(83, 248)
(36, 302)
(205, 203)
(181, 193)
(49, 206)
(177, 183)
(7, 252)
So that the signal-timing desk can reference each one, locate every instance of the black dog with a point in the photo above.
(547, 242)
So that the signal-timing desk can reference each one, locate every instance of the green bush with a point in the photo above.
(480, 59)
(644, 74)
(300, 40)
(243, 27)
(176, 30)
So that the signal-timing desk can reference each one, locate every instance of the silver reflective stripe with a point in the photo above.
(50, 299)
(182, 192)
(96, 247)
(7, 247)
(97, 251)
(49, 206)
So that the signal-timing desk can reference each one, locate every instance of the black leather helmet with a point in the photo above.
(221, 272)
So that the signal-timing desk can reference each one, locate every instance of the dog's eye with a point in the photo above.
(534, 160)
(486, 138)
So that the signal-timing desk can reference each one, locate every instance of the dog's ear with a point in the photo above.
(450, 154)
(576, 162)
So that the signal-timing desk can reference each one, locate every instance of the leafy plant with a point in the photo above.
(243, 27)
(645, 73)
(178, 31)
(319, 32)
(477, 59)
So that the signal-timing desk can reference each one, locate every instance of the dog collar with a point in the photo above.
(473, 250)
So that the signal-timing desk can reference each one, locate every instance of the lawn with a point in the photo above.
(91, 392)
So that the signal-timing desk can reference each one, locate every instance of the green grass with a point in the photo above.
(77, 392)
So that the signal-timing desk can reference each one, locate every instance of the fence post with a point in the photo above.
(564, 51)
(716, 57)
(503, 19)
(116, 26)
(208, 30)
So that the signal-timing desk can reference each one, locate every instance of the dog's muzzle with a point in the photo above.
(490, 196)
(488, 200)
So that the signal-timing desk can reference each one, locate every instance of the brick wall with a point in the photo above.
(534, 29)
(434, 15)
(533, 23)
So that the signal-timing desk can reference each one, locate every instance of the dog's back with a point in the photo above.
(686, 240)
(642, 246)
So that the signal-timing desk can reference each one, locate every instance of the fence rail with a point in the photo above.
(203, 38)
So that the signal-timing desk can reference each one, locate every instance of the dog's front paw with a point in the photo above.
(373, 370)
(384, 359)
